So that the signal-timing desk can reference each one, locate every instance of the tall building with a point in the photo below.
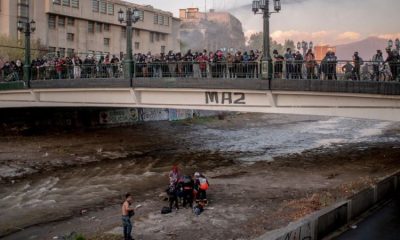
(321, 50)
(211, 30)
(90, 26)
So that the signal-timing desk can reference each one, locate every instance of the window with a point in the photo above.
(160, 19)
(106, 42)
(110, 8)
(166, 21)
(75, 3)
(62, 52)
(52, 49)
(123, 32)
(52, 21)
(163, 37)
(155, 19)
(71, 21)
(162, 49)
(70, 52)
(151, 37)
(137, 45)
(141, 14)
(137, 31)
(66, 3)
(106, 27)
(99, 27)
(70, 37)
(157, 37)
(61, 21)
(57, 2)
(103, 7)
(95, 6)
(91, 27)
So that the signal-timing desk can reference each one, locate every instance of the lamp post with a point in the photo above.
(305, 46)
(132, 16)
(262, 7)
(27, 28)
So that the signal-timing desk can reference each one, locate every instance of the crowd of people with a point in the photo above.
(219, 64)
(294, 64)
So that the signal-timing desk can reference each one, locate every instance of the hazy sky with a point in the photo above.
(322, 21)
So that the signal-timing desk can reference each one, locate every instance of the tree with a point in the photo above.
(256, 42)
(13, 49)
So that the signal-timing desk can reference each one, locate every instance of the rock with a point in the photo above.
(83, 211)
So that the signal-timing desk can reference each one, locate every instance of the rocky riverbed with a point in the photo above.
(265, 171)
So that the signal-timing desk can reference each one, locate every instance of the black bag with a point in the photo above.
(166, 210)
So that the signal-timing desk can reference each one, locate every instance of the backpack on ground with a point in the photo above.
(166, 210)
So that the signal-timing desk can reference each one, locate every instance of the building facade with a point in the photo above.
(211, 30)
(70, 27)
(321, 50)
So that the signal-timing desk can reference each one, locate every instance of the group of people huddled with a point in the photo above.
(186, 189)
(292, 64)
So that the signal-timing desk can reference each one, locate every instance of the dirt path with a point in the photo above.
(245, 201)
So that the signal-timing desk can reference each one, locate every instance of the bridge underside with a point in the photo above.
(353, 105)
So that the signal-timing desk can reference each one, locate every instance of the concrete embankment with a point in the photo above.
(324, 222)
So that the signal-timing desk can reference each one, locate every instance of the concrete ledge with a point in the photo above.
(4, 86)
(370, 87)
(204, 83)
(81, 83)
(362, 201)
(322, 223)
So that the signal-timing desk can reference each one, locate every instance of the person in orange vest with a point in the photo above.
(201, 186)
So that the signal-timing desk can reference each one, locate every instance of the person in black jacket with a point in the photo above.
(394, 62)
(188, 185)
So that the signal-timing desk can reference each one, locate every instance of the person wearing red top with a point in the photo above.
(59, 67)
(202, 60)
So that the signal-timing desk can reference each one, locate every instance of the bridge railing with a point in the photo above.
(82, 71)
(337, 70)
(229, 75)
(198, 70)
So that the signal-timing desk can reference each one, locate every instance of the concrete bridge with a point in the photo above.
(354, 99)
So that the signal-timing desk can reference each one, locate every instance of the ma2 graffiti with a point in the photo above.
(225, 98)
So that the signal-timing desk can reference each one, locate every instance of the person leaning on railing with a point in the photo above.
(358, 62)
(278, 66)
(394, 63)
(310, 64)
(377, 62)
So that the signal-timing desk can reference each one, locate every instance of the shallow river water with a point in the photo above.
(62, 193)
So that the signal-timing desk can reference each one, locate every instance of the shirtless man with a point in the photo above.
(127, 213)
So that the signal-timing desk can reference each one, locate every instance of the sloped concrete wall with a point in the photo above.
(322, 223)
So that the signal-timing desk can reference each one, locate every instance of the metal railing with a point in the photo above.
(47, 72)
(322, 70)
(197, 70)
(337, 70)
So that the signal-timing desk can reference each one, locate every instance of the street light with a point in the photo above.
(305, 46)
(390, 43)
(27, 28)
(262, 7)
(131, 17)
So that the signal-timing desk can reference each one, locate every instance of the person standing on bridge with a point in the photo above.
(310, 64)
(377, 61)
(358, 62)
(289, 63)
(394, 62)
